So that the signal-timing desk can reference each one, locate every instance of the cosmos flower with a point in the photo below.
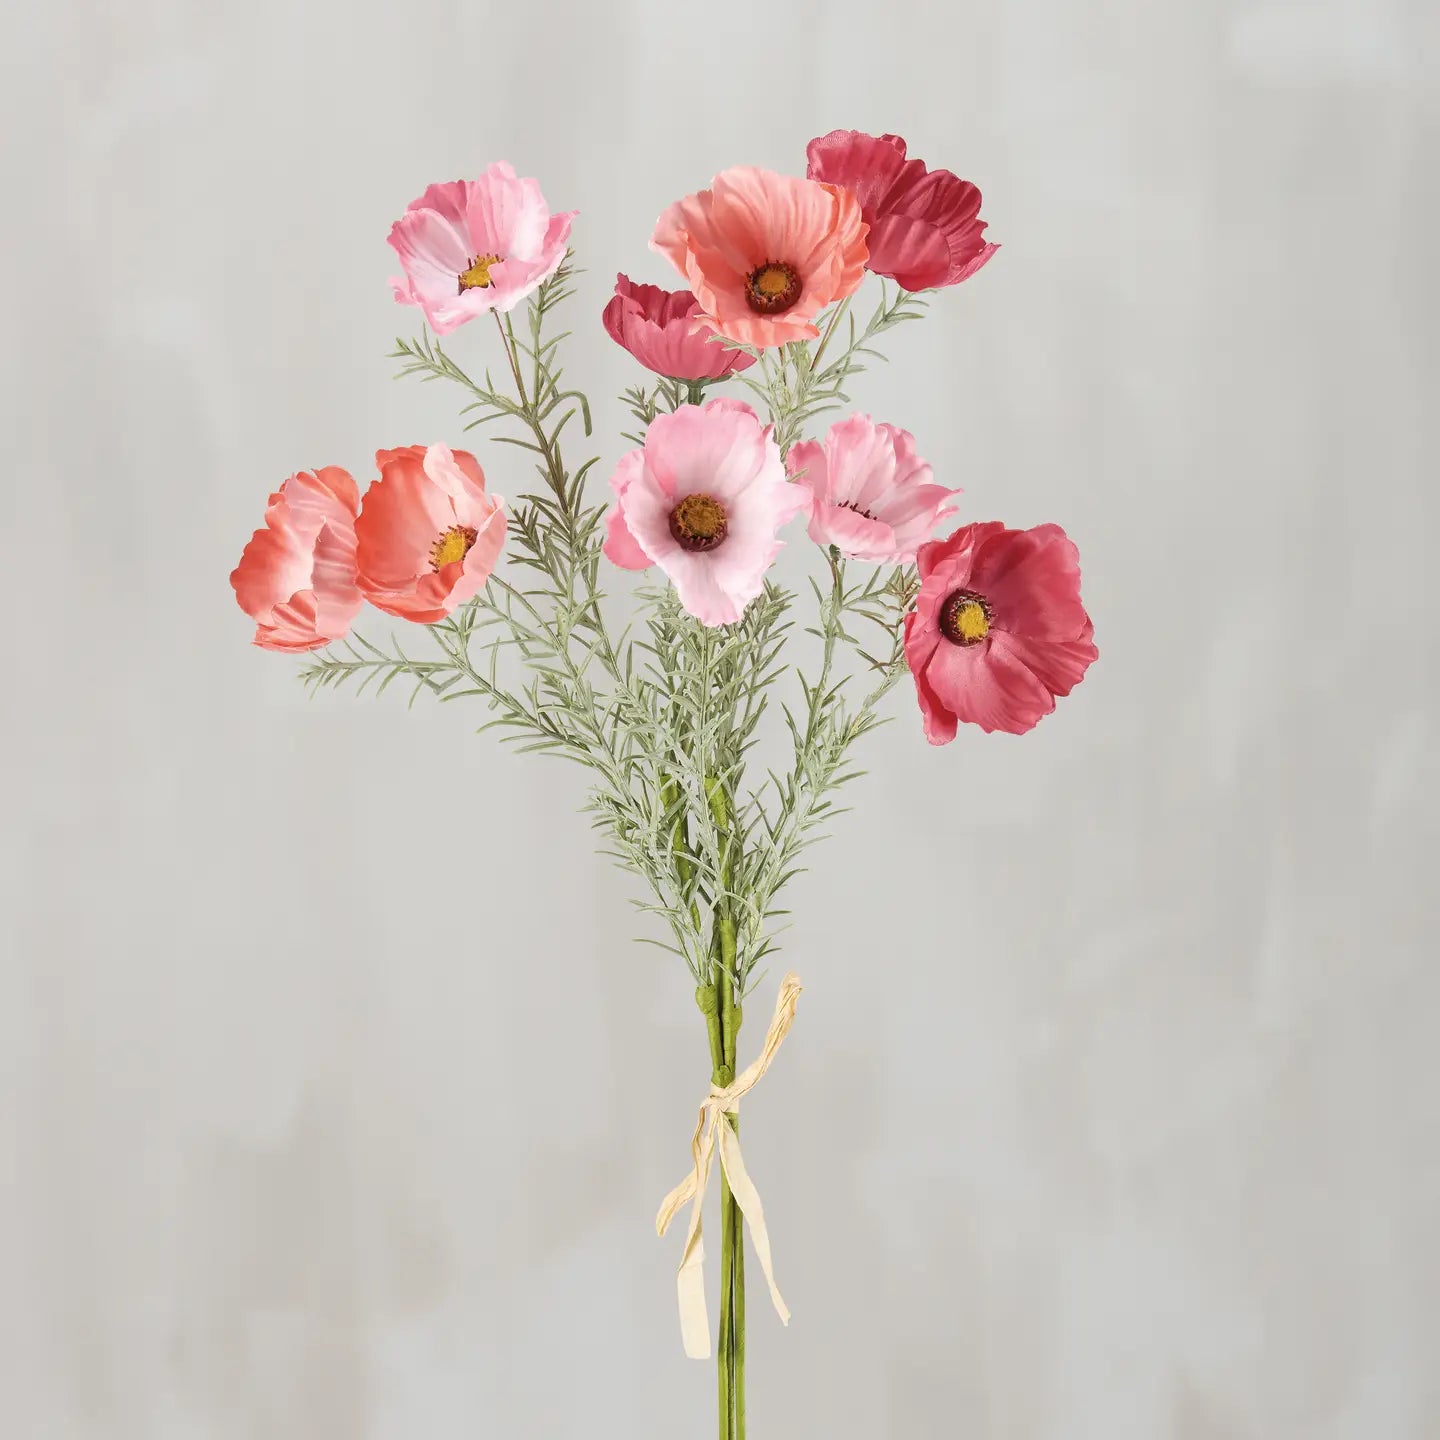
(428, 535)
(296, 579)
(704, 499)
(658, 328)
(475, 245)
(870, 493)
(925, 225)
(764, 253)
(998, 630)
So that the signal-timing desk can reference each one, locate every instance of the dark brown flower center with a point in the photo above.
(851, 505)
(773, 287)
(965, 618)
(698, 522)
(477, 275)
(454, 544)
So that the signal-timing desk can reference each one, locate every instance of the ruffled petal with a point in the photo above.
(988, 686)
(1032, 579)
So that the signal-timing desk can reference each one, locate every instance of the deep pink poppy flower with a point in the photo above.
(925, 226)
(475, 245)
(998, 630)
(658, 328)
(428, 535)
(296, 579)
(703, 500)
(870, 493)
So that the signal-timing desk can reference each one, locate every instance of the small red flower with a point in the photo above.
(658, 327)
(925, 226)
(998, 630)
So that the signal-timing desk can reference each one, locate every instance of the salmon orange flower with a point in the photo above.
(428, 535)
(475, 245)
(925, 225)
(764, 253)
(998, 630)
(296, 579)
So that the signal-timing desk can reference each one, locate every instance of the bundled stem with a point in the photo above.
(730, 1352)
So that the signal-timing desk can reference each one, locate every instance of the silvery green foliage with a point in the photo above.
(665, 713)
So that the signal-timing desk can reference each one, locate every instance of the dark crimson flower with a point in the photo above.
(925, 225)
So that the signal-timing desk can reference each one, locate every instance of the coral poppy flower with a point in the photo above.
(428, 535)
(764, 253)
(296, 579)
(658, 328)
(870, 493)
(703, 500)
(998, 630)
(925, 226)
(475, 245)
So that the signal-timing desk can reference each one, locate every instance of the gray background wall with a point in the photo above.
(336, 1099)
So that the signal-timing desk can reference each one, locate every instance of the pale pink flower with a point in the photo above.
(475, 245)
(296, 579)
(870, 493)
(998, 629)
(428, 535)
(703, 499)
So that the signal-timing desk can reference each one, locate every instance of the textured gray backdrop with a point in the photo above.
(336, 1099)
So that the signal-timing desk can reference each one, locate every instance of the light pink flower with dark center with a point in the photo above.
(870, 493)
(658, 328)
(475, 245)
(296, 579)
(998, 630)
(925, 225)
(703, 499)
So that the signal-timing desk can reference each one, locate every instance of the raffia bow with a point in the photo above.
(711, 1130)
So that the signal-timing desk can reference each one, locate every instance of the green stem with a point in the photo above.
(737, 1307)
(730, 1359)
(723, 1023)
(725, 1367)
(835, 318)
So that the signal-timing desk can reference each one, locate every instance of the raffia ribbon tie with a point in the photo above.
(711, 1130)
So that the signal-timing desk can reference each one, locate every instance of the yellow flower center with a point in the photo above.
(773, 287)
(454, 544)
(698, 522)
(965, 618)
(477, 277)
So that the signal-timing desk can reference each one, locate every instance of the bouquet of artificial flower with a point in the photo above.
(665, 711)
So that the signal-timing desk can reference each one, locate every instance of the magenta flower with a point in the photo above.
(998, 630)
(658, 328)
(925, 226)
(703, 500)
(870, 493)
(476, 245)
